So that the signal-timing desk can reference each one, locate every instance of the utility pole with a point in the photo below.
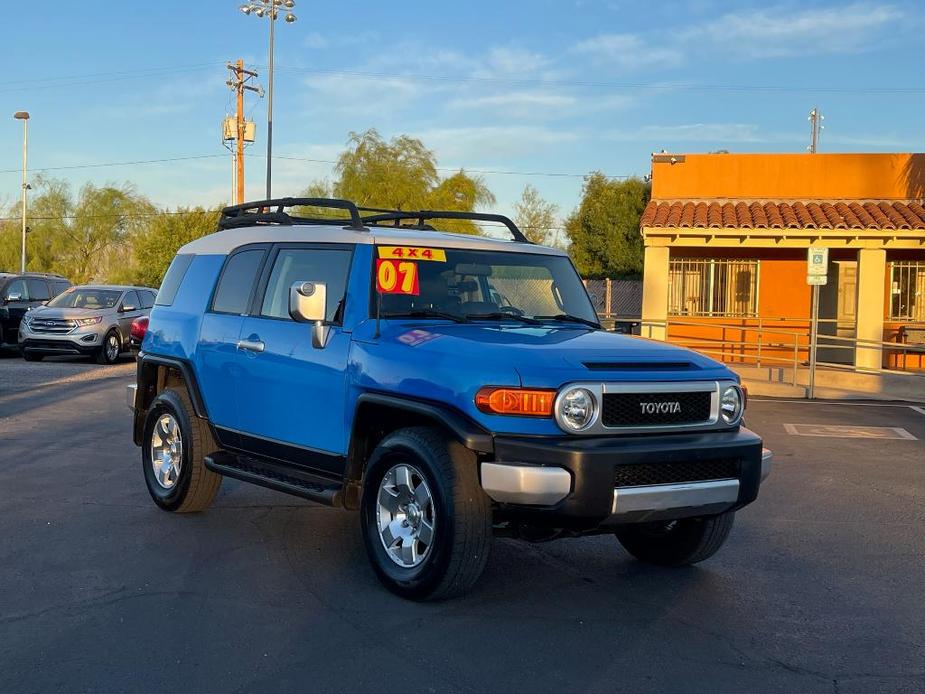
(816, 127)
(24, 117)
(238, 84)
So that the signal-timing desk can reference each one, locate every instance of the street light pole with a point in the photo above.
(269, 9)
(24, 117)
(270, 105)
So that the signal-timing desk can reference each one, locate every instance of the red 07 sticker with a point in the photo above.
(397, 277)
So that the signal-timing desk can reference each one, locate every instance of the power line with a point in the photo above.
(306, 159)
(690, 86)
(100, 77)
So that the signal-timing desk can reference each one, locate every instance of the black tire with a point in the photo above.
(461, 514)
(195, 486)
(32, 356)
(676, 543)
(103, 355)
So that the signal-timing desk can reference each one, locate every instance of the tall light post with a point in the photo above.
(270, 9)
(24, 117)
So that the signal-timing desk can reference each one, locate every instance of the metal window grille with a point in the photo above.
(713, 287)
(907, 300)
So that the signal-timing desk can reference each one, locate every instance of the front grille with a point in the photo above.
(655, 409)
(52, 345)
(643, 474)
(52, 325)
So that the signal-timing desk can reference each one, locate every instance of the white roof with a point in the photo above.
(223, 242)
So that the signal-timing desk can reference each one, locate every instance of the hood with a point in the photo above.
(541, 356)
(67, 313)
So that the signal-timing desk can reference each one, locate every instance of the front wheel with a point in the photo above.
(425, 519)
(32, 356)
(677, 542)
(110, 349)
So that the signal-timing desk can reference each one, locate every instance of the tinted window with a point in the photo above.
(16, 287)
(147, 298)
(306, 265)
(59, 286)
(131, 299)
(38, 290)
(234, 288)
(172, 279)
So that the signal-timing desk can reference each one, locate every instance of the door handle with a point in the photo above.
(251, 345)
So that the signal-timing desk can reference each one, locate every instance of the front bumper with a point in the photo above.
(569, 482)
(85, 344)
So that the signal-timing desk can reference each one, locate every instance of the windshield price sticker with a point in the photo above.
(413, 253)
(397, 277)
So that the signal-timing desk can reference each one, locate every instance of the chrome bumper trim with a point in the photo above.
(673, 500)
(766, 457)
(526, 484)
(130, 391)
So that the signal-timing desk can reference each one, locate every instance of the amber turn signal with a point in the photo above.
(517, 401)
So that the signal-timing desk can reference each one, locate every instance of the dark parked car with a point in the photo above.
(20, 292)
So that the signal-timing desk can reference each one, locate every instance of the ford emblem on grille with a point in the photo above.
(660, 407)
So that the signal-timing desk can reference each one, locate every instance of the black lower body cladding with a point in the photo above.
(593, 465)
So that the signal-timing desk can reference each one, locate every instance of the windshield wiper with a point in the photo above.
(567, 317)
(503, 315)
(427, 313)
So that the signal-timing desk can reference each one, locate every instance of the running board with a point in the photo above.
(281, 478)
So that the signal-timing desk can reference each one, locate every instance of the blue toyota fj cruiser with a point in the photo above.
(447, 386)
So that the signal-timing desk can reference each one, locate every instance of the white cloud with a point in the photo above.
(507, 61)
(782, 31)
(490, 143)
(628, 51)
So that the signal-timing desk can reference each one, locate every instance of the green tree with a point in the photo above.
(604, 229)
(401, 174)
(85, 238)
(163, 235)
(535, 216)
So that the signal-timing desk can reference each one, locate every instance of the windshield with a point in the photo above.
(466, 284)
(86, 298)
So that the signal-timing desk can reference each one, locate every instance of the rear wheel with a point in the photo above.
(174, 445)
(678, 542)
(110, 349)
(425, 519)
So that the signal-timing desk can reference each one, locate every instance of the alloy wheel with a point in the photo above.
(405, 513)
(166, 451)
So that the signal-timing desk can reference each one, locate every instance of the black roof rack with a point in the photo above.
(396, 216)
(262, 212)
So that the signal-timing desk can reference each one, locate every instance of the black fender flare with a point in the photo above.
(146, 380)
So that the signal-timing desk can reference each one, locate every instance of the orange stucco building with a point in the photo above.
(726, 239)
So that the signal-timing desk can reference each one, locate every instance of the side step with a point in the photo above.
(282, 478)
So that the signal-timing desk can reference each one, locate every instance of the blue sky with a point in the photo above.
(534, 88)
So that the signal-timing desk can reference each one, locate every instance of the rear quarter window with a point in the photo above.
(172, 280)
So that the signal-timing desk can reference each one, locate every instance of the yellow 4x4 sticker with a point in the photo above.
(412, 253)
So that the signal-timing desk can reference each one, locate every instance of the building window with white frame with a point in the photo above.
(907, 291)
(713, 287)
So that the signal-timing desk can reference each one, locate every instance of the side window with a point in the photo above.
(331, 266)
(233, 292)
(59, 286)
(147, 298)
(38, 289)
(131, 300)
(173, 278)
(16, 287)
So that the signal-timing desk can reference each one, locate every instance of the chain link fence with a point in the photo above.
(618, 303)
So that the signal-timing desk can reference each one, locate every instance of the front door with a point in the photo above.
(291, 395)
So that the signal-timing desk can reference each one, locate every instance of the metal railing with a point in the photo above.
(786, 348)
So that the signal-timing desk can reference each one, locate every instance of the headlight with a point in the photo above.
(575, 409)
(731, 404)
(89, 321)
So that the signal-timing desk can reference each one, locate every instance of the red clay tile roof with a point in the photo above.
(784, 215)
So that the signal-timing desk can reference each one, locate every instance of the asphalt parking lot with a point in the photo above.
(821, 587)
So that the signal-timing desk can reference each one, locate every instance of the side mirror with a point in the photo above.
(15, 296)
(127, 308)
(308, 303)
